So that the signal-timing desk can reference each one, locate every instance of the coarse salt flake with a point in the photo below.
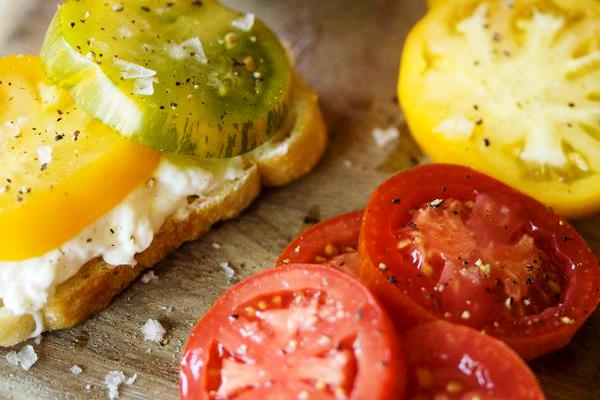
(114, 379)
(153, 331)
(144, 86)
(44, 154)
(436, 203)
(383, 137)
(131, 70)
(13, 128)
(76, 370)
(191, 47)
(144, 77)
(245, 23)
(149, 277)
(226, 267)
(26, 357)
(456, 127)
(49, 95)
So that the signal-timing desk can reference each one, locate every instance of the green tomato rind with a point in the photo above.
(218, 109)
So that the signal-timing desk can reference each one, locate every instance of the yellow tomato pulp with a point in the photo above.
(511, 88)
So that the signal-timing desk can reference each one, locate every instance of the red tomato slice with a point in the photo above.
(333, 242)
(443, 241)
(296, 332)
(449, 361)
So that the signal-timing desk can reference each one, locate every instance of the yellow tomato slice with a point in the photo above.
(61, 170)
(511, 88)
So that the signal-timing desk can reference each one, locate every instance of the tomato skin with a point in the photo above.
(341, 232)
(380, 372)
(444, 350)
(399, 287)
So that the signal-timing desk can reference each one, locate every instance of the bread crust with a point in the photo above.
(97, 283)
(302, 151)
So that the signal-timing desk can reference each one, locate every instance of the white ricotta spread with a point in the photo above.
(128, 229)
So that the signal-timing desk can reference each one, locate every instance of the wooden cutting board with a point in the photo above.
(349, 51)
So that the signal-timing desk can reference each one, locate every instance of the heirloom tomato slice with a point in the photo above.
(295, 332)
(446, 242)
(60, 169)
(181, 76)
(511, 88)
(449, 361)
(333, 242)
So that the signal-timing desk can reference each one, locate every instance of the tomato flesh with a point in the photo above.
(449, 361)
(300, 331)
(446, 242)
(333, 242)
(279, 319)
(495, 261)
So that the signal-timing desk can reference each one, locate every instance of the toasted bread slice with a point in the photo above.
(288, 156)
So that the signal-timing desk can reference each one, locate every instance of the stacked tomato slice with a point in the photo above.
(447, 242)
(465, 267)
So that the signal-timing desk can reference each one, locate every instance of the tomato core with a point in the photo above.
(298, 346)
(481, 258)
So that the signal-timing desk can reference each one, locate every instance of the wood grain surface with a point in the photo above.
(349, 51)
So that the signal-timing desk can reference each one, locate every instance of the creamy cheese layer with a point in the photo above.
(128, 229)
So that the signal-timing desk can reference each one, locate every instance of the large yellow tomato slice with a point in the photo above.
(511, 88)
(60, 169)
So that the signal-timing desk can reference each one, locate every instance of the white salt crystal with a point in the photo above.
(76, 370)
(384, 136)
(149, 277)
(114, 379)
(153, 331)
(44, 154)
(244, 23)
(26, 357)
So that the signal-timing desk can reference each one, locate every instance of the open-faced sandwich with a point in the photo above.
(142, 124)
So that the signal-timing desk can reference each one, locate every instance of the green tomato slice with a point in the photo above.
(185, 76)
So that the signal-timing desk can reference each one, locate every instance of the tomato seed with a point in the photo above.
(330, 250)
(453, 387)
